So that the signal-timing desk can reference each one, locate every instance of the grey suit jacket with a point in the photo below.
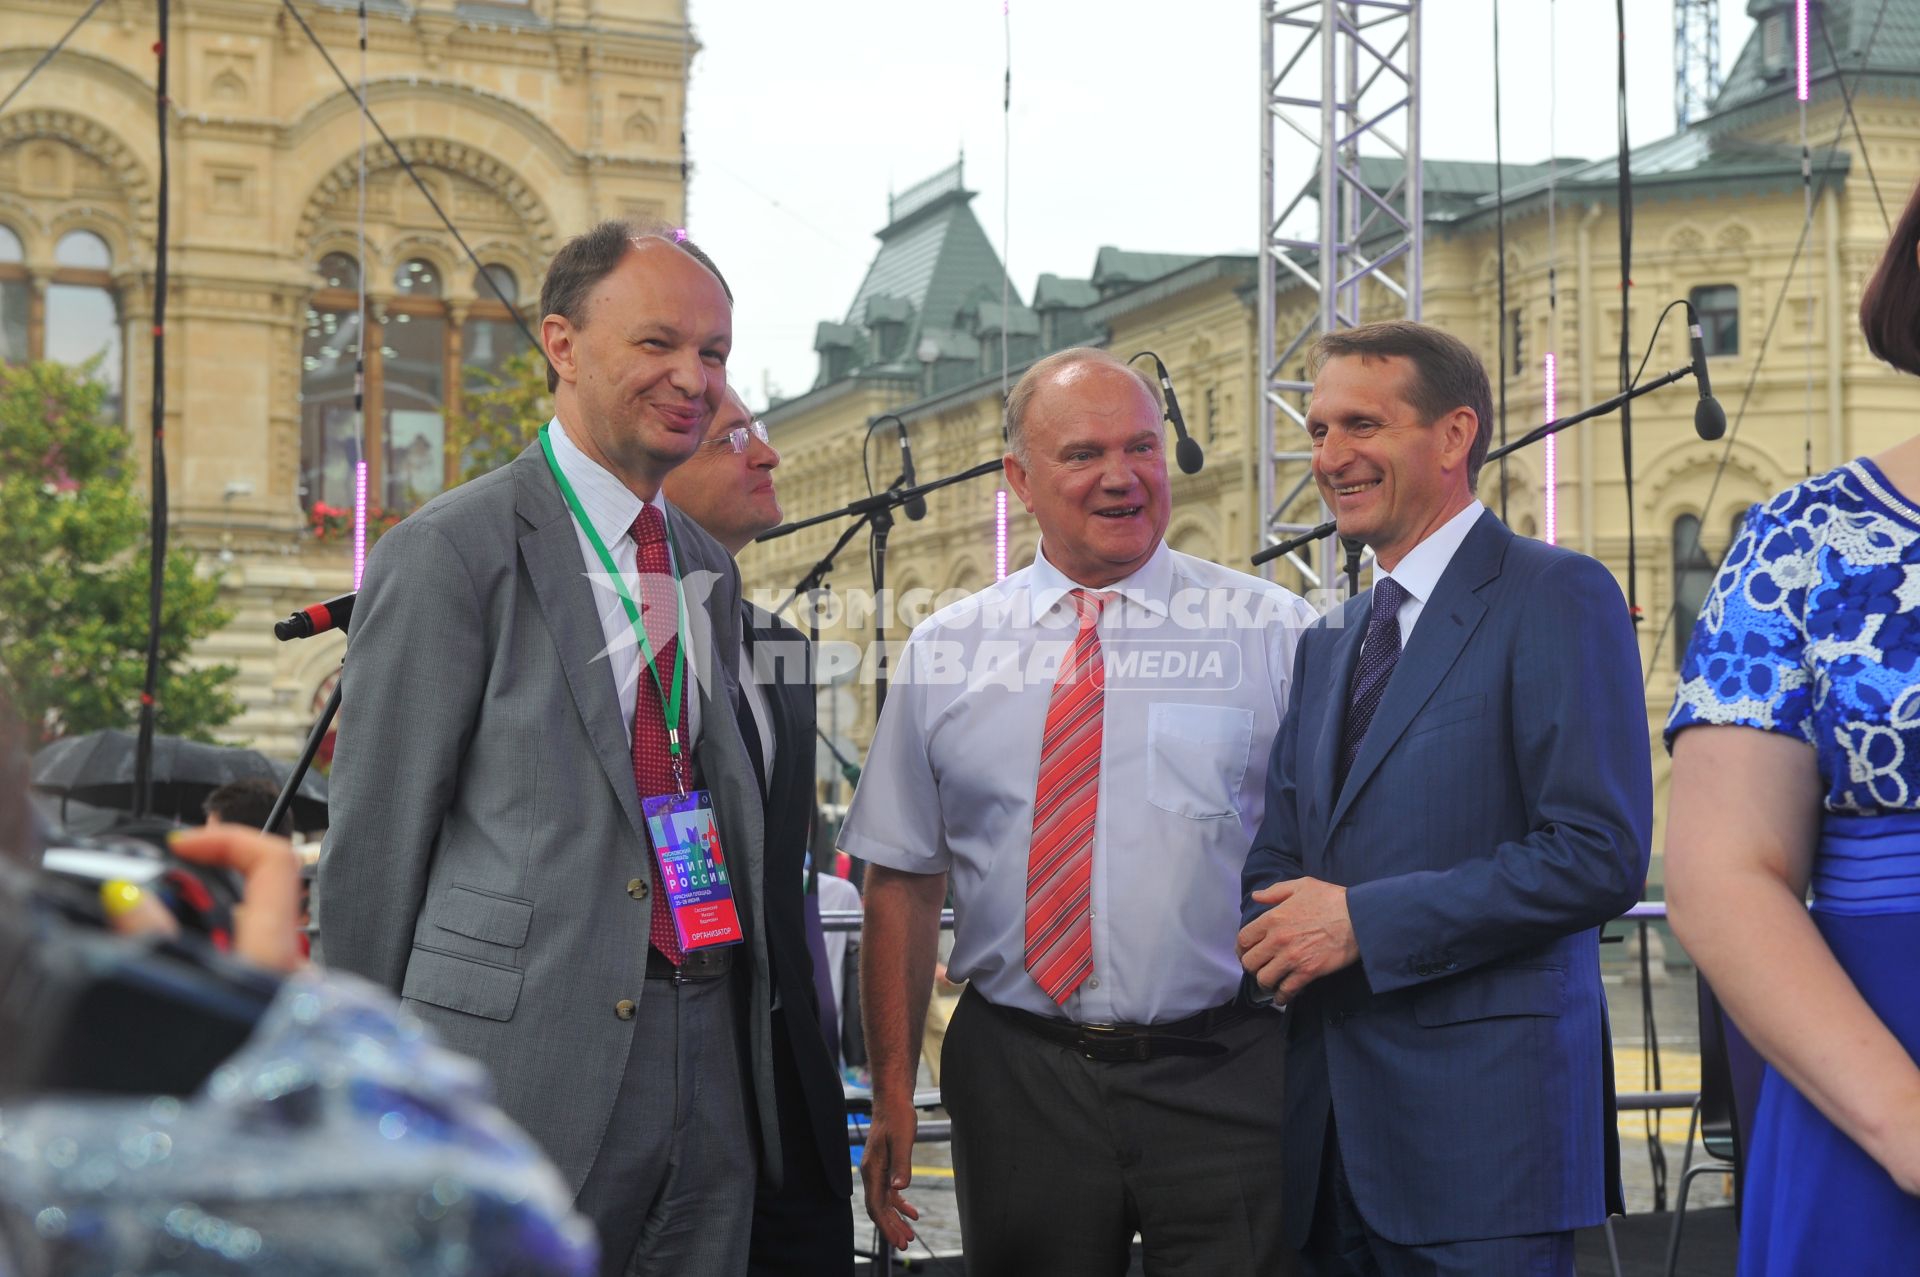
(485, 823)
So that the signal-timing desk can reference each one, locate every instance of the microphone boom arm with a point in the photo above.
(1533, 436)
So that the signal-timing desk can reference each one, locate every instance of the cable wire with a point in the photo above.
(49, 55)
(157, 460)
(1550, 466)
(1625, 201)
(1501, 335)
(367, 112)
(1806, 187)
(1846, 99)
(1753, 376)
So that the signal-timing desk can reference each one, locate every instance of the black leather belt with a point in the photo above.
(1121, 1043)
(698, 964)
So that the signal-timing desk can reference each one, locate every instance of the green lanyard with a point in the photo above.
(670, 699)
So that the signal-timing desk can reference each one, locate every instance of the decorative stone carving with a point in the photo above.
(230, 77)
(640, 116)
(46, 170)
(337, 189)
(230, 189)
(90, 139)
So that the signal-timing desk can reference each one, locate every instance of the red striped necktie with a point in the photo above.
(1065, 802)
(652, 758)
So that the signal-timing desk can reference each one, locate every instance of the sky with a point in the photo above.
(1133, 124)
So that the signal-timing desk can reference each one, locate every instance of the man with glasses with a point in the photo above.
(804, 1226)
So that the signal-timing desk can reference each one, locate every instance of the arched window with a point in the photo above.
(337, 270)
(330, 440)
(1718, 306)
(82, 313)
(1692, 579)
(16, 298)
(414, 358)
(491, 335)
(418, 340)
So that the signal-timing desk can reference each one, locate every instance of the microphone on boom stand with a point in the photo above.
(1709, 422)
(915, 507)
(1186, 450)
(1709, 418)
(334, 614)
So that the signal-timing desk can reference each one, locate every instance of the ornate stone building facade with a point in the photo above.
(525, 121)
(1718, 217)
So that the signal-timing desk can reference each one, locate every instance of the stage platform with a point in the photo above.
(1707, 1249)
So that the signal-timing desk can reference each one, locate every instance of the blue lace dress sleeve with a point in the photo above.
(1744, 666)
(1813, 630)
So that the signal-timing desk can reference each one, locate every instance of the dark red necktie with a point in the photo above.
(652, 758)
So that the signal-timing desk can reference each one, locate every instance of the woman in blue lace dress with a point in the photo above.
(1796, 764)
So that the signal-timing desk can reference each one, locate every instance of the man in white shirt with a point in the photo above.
(1077, 752)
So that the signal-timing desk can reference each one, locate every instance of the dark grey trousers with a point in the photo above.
(1059, 1160)
(671, 1189)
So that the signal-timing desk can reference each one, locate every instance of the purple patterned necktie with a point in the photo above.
(1379, 653)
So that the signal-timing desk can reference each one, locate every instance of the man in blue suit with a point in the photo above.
(1460, 794)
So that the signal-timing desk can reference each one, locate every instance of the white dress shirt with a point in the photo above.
(613, 506)
(1199, 659)
(1420, 571)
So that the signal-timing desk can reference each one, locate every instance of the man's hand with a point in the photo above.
(266, 922)
(886, 1167)
(1306, 935)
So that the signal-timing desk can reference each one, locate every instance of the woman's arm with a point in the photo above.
(1742, 825)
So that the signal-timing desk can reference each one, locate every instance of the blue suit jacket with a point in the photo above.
(1499, 811)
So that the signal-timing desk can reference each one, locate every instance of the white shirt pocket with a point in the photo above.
(1197, 758)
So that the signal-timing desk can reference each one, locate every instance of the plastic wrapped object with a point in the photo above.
(340, 1139)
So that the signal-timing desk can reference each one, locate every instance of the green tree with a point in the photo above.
(500, 413)
(74, 570)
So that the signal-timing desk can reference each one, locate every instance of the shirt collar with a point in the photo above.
(1420, 571)
(610, 504)
(1150, 586)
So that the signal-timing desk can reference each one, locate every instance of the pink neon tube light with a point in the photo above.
(1000, 534)
(359, 521)
(1800, 47)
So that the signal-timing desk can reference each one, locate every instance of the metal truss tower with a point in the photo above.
(1344, 77)
(1696, 59)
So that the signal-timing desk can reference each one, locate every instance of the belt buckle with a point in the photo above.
(698, 964)
(1106, 1044)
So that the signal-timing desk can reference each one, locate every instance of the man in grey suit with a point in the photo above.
(488, 857)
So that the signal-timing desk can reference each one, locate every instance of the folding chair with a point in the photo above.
(1719, 1116)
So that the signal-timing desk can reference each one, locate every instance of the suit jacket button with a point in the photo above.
(625, 1008)
(638, 888)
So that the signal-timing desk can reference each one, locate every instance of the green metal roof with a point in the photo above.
(1021, 320)
(1054, 293)
(1115, 268)
(1460, 194)
(1849, 23)
(934, 256)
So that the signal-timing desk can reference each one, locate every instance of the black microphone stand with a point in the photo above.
(307, 755)
(875, 512)
(1528, 439)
